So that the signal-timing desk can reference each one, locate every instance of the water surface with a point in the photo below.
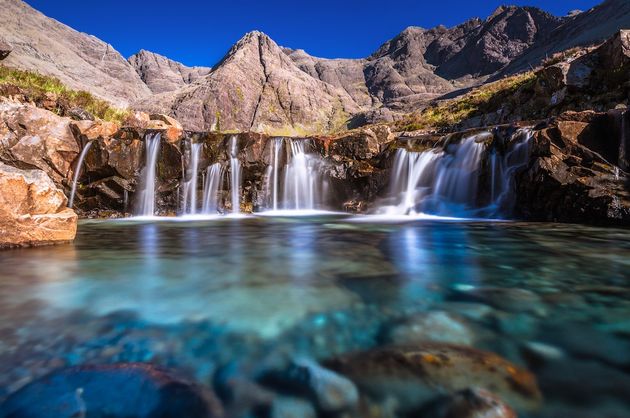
(194, 295)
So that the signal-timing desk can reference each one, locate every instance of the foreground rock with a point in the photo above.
(416, 375)
(32, 210)
(111, 391)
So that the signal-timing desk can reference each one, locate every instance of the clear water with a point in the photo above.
(196, 294)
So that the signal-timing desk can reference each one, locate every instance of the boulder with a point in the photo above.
(437, 326)
(615, 53)
(89, 130)
(32, 210)
(78, 113)
(416, 375)
(172, 129)
(475, 403)
(38, 138)
(112, 391)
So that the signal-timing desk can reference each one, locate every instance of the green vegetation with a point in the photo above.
(36, 87)
(487, 98)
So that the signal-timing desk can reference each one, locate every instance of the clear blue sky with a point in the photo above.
(200, 32)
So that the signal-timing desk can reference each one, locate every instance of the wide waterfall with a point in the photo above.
(146, 202)
(214, 179)
(190, 205)
(298, 184)
(235, 175)
(77, 172)
(446, 181)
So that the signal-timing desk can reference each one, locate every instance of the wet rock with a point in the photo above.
(284, 407)
(536, 353)
(507, 299)
(474, 403)
(437, 326)
(32, 210)
(304, 377)
(119, 390)
(418, 374)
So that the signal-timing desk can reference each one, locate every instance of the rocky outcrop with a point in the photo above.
(32, 210)
(80, 61)
(161, 74)
(5, 49)
(115, 391)
(574, 173)
(256, 87)
(31, 137)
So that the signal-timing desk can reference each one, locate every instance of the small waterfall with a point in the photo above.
(299, 183)
(190, 187)
(445, 182)
(214, 179)
(146, 204)
(624, 158)
(77, 172)
(235, 175)
(504, 168)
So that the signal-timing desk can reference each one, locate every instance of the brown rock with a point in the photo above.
(32, 210)
(37, 138)
(91, 130)
(5, 49)
(477, 403)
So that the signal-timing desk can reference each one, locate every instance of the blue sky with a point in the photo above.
(201, 32)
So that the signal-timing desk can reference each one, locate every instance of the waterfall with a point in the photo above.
(146, 204)
(445, 182)
(214, 178)
(299, 183)
(504, 168)
(77, 172)
(190, 187)
(235, 175)
(624, 159)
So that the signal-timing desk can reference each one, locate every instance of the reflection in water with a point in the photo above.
(199, 292)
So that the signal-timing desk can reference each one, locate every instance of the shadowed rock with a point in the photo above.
(112, 391)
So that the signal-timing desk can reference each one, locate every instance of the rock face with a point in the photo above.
(32, 210)
(256, 87)
(575, 159)
(5, 49)
(161, 74)
(36, 138)
(79, 60)
(113, 391)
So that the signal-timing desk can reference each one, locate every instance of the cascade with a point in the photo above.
(235, 175)
(77, 172)
(445, 182)
(624, 158)
(146, 203)
(190, 187)
(214, 179)
(299, 184)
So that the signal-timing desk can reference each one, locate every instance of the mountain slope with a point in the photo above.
(79, 60)
(256, 87)
(161, 74)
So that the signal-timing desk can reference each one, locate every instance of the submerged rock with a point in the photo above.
(475, 403)
(111, 391)
(416, 375)
(304, 377)
(437, 326)
(32, 210)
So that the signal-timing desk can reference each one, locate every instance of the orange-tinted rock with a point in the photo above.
(91, 130)
(32, 210)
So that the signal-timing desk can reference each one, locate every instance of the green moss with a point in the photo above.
(35, 87)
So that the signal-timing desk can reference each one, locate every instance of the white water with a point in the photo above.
(299, 184)
(146, 204)
(77, 172)
(214, 178)
(235, 175)
(190, 204)
(445, 182)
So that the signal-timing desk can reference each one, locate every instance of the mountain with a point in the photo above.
(79, 60)
(259, 85)
(256, 86)
(161, 74)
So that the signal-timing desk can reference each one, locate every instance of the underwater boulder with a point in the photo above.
(112, 391)
(416, 375)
